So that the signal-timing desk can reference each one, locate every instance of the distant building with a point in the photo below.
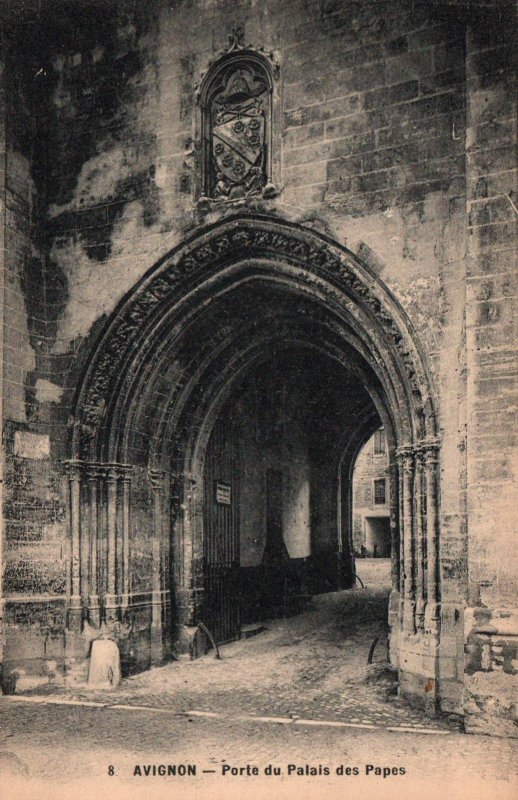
(371, 517)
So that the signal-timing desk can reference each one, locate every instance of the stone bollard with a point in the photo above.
(105, 670)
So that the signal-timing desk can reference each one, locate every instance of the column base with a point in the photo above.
(419, 614)
(77, 648)
(157, 633)
(75, 614)
(124, 602)
(157, 647)
(408, 615)
(190, 643)
(94, 610)
(432, 619)
(393, 621)
(111, 608)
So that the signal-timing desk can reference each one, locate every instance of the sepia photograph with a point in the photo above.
(259, 400)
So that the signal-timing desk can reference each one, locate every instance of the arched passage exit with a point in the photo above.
(173, 356)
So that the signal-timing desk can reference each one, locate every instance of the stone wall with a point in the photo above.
(35, 540)
(491, 627)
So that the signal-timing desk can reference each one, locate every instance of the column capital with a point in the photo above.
(405, 457)
(113, 470)
(431, 454)
(93, 471)
(125, 473)
(74, 468)
(428, 446)
(419, 458)
(157, 479)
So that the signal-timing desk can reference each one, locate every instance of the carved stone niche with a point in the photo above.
(236, 103)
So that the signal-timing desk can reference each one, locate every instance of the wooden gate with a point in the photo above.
(221, 535)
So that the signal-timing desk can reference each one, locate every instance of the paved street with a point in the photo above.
(313, 665)
(300, 693)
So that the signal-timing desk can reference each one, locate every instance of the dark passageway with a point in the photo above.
(273, 505)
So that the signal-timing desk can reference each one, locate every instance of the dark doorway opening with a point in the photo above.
(377, 536)
(272, 532)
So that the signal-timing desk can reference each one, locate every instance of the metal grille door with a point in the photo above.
(221, 538)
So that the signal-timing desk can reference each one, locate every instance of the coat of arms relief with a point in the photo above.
(240, 118)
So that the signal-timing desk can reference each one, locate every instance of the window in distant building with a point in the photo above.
(379, 442)
(380, 492)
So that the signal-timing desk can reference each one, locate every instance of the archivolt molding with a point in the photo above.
(223, 363)
(216, 387)
(311, 321)
(206, 255)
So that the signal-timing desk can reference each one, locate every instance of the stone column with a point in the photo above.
(74, 609)
(394, 526)
(407, 469)
(401, 557)
(110, 600)
(125, 588)
(157, 639)
(395, 609)
(94, 611)
(187, 562)
(419, 540)
(433, 608)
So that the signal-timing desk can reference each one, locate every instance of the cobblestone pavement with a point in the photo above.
(307, 668)
(312, 666)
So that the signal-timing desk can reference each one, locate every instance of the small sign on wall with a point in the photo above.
(223, 494)
(31, 445)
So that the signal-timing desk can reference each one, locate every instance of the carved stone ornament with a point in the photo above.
(239, 128)
(249, 238)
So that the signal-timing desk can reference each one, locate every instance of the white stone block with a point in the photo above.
(105, 671)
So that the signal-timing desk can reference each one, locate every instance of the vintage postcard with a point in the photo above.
(259, 395)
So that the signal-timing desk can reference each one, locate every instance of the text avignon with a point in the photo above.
(171, 770)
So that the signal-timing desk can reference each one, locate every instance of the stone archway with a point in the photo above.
(162, 370)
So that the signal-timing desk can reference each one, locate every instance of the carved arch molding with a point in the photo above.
(338, 283)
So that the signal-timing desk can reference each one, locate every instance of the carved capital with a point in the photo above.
(112, 474)
(113, 471)
(74, 469)
(430, 450)
(405, 457)
(125, 474)
(419, 459)
(93, 472)
(157, 479)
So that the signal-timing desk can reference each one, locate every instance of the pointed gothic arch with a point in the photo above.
(167, 361)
